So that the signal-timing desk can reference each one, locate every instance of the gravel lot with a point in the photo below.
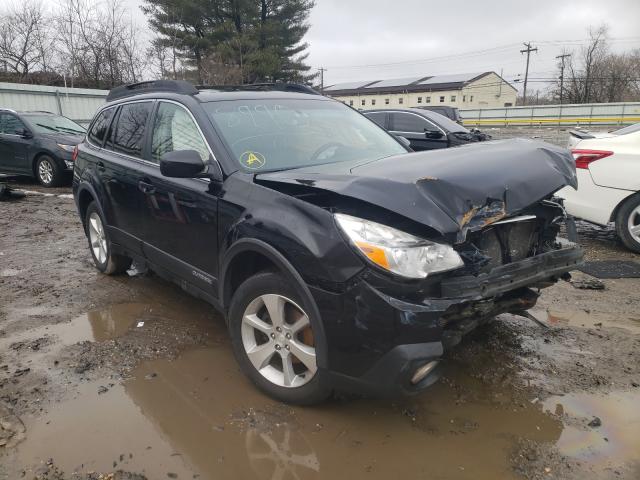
(129, 378)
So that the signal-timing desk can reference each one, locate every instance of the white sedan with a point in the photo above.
(608, 168)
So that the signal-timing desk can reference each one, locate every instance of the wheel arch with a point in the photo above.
(615, 211)
(37, 156)
(250, 256)
(85, 195)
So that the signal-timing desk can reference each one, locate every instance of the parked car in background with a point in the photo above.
(39, 145)
(424, 129)
(452, 113)
(339, 260)
(608, 168)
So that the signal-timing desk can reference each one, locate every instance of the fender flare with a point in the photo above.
(87, 187)
(285, 267)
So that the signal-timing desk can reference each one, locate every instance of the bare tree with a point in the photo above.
(594, 74)
(101, 43)
(24, 39)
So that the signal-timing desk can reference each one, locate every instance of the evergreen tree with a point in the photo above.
(235, 40)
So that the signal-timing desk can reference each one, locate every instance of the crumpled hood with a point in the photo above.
(454, 190)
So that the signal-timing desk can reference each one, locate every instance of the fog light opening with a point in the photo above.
(422, 372)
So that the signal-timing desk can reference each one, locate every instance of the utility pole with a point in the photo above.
(528, 51)
(322, 70)
(562, 57)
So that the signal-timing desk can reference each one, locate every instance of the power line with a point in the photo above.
(493, 50)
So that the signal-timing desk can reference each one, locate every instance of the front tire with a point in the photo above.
(48, 172)
(99, 244)
(628, 223)
(274, 341)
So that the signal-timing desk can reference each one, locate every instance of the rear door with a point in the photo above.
(418, 130)
(120, 169)
(13, 146)
(180, 213)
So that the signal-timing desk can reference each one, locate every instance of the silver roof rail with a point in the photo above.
(2, 109)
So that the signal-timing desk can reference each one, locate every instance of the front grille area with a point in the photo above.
(500, 244)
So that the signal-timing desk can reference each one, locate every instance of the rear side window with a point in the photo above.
(100, 126)
(377, 117)
(173, 129)
(406, 122)
(128, 137)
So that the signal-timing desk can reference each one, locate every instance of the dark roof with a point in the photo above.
(412, 84)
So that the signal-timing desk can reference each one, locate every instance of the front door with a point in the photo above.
(421, 133)
(13, 145)
(181, 213)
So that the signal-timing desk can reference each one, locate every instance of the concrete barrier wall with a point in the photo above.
(568, 115)
(79, 104)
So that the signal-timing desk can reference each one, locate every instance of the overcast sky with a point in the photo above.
(349, 33)
(426, 37)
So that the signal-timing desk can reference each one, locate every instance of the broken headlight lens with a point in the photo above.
(396, 251)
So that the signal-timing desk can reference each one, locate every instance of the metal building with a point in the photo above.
(464, 91)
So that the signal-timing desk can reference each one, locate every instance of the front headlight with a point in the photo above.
(67, 148)
(396, 251)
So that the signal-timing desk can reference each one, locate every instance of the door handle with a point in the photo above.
(146, 187)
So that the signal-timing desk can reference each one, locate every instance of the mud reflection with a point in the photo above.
(616, 440)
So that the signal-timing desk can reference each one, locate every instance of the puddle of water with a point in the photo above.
(96, 325)
(615, 441)
(580, 318)
(200, 415)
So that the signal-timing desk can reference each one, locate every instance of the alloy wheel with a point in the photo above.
(97, 237)
(278, 340)
(633, 224)
(45, 171)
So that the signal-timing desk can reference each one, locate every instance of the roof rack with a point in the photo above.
(186, 88)
(2, 109)
(38, 111)
(263, 87)
(176, 86)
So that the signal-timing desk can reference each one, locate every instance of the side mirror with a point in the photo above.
(24, 133)
(181, 164)
(403, 140)
(433, 134)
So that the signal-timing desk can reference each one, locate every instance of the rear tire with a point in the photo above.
(99, 244)
(48, 172)
(628, 223)
(277, 352)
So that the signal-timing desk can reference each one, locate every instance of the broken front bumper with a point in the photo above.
(377, 342)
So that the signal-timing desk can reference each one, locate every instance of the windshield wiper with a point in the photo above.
(47, 127)
(72, 130)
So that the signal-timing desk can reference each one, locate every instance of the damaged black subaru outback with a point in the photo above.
(340, 260)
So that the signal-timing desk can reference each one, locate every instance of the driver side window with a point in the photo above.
(174, 130)
(10, 124)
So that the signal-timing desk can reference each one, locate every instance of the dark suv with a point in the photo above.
(340, 261)
(38, 144)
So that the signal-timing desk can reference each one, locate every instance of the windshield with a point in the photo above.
(55, 124)
(630, 129)
(269, 135)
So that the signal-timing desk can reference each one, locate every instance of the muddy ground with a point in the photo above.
(129, 378)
